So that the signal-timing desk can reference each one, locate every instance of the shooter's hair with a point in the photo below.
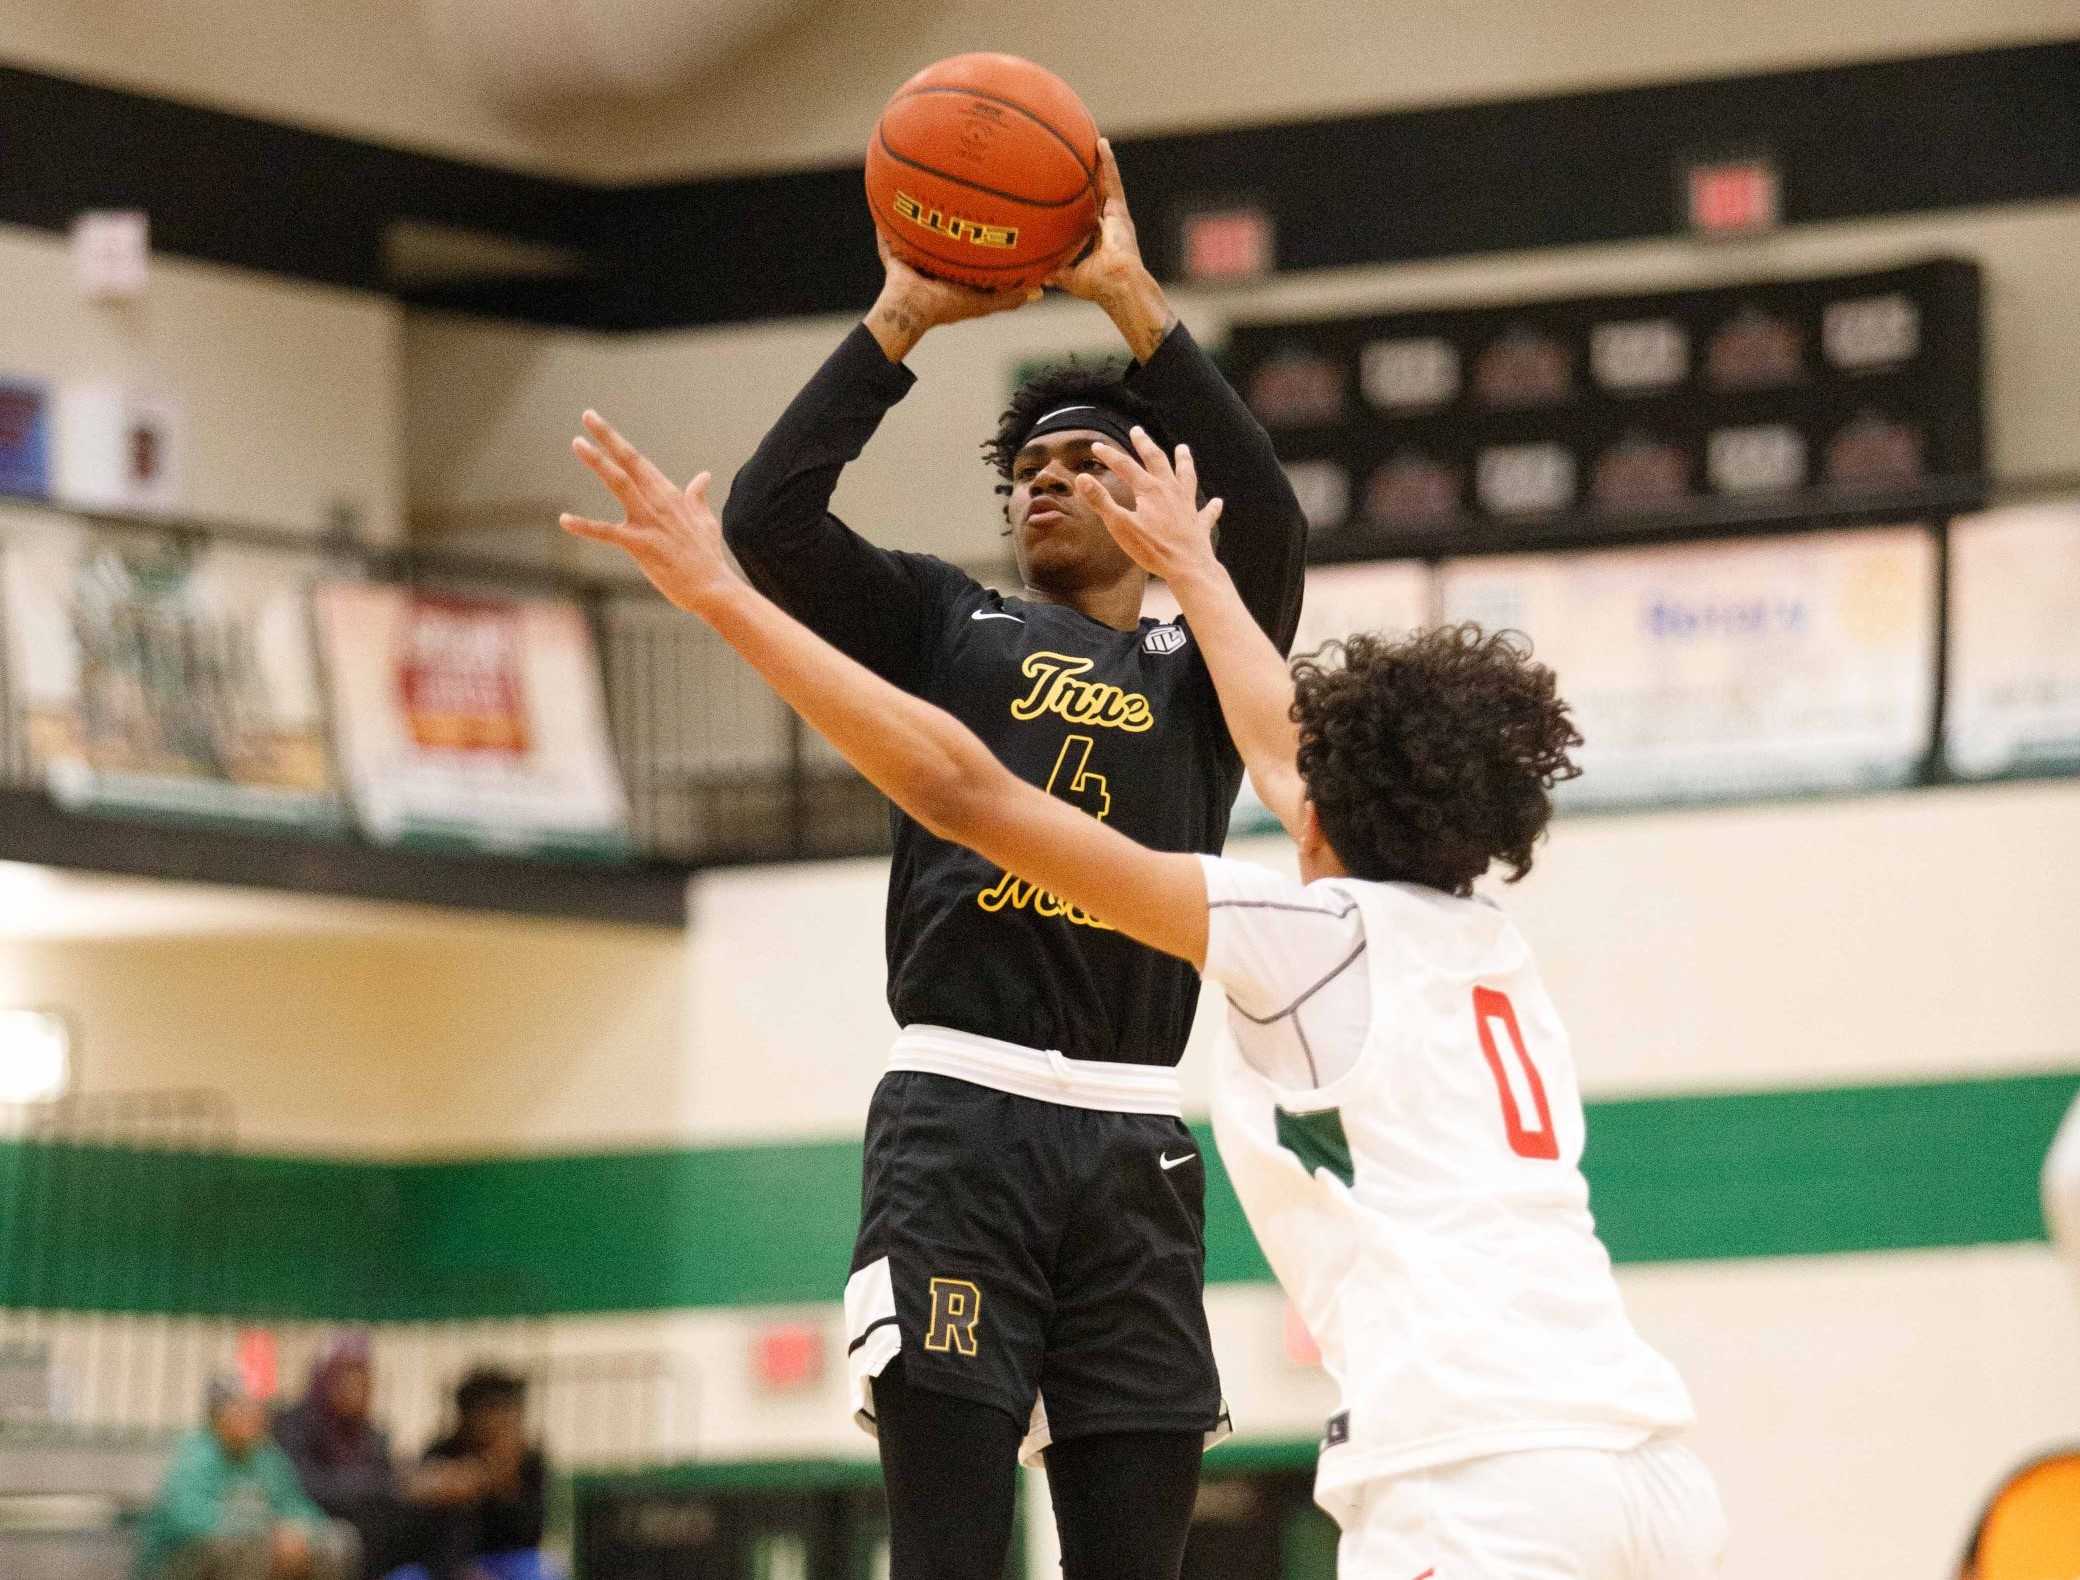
(1068, 385)
(1431, 757)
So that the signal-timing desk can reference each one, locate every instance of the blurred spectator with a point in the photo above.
(341, 1456)
(489, 1448)
(420, 1522)
(230, 1507)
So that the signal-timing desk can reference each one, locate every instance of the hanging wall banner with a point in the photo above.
(2014, 682)
(149, 676)
(118, 449)
(1712, 671)
(1391, 598)
(471, 721)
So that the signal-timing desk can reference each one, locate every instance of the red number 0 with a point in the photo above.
(1527, 1141)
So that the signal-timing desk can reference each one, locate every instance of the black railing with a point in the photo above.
(718, 771)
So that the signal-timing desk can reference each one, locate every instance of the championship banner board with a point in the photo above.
(153, 677)
(1391, 598)
(1531, 420)
(474, 722)
(1726, 670)
(2013, 703)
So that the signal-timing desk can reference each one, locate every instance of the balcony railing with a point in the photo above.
(718, 771)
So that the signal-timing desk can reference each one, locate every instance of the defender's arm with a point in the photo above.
(1166, 535)
(919, 756)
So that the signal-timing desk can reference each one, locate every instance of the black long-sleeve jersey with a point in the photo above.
(1123, 723)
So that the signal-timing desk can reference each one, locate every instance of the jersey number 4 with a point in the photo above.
(1073, 780)
(1516, 1077)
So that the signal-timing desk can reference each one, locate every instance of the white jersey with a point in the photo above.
(1422, 1201)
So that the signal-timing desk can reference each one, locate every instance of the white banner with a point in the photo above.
(1776, 666)
(1389, 597)
(154, 677)
(2014, 683)
(118, 448)
(471, 721)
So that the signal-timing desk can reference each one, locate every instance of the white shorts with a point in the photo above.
(1542, 1514)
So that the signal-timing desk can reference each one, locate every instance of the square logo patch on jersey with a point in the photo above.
(1164, 639)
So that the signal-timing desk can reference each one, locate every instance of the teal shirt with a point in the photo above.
(208, 1493)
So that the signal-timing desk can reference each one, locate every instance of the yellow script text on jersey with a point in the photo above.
(1072, 779)
(1019, 895)
(1059, 688)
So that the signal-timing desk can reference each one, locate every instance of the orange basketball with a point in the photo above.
(983, 169)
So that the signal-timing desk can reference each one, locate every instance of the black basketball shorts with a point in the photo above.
(1045, 1259)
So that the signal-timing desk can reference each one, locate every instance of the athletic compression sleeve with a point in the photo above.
(1263, 534)
(871, 603)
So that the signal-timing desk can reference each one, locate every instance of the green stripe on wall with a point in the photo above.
(1697, 1177)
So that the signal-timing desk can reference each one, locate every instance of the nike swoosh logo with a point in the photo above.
(996, 614)
(1169, 1162)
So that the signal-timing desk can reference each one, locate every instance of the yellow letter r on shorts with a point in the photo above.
(956, 1308)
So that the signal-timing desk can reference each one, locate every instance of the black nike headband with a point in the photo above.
(1115, 425)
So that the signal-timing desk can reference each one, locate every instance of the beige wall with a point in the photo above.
(393, 1032)
(1911, 936)
(301, 397)
(291, 392)
(808, 92)
(1899, 937)
(1143, 65)
(491, 408)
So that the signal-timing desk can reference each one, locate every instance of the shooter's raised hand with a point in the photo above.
(1168, 533)
(1113, 262)
(912, 302)
(670, 532)
(1112, 274)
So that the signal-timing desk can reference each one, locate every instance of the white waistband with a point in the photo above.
(1039, 1073)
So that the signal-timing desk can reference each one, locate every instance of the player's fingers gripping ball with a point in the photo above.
(983, 169)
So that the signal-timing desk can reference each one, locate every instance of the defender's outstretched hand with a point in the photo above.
(920, 757)
(671, 533)
(1167, 533)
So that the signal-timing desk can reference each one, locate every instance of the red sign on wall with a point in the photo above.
(459, 676)
(787, 1355)
(1733, 197)
(1234, 243)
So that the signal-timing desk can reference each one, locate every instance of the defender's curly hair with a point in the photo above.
(1430, 757)
(1068, 385)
